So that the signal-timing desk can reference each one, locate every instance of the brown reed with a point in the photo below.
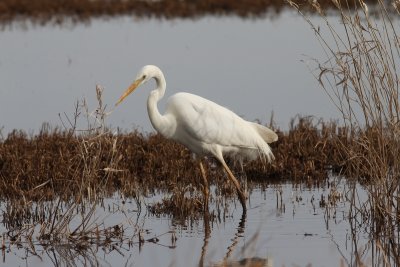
(360, 76)
(46, 10)
(55, 163)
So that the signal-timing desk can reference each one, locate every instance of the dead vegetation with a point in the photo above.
(55, 163)
(47, 10)
(360, 75)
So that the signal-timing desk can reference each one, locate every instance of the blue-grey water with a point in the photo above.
(296, 232)
(253, 67)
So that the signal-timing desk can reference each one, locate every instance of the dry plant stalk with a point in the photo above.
(360, 76)
(56, 179)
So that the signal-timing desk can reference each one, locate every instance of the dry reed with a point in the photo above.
(55, 163)
(47, 10)
(360, 76)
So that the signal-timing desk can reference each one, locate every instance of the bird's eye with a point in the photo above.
(144, 76)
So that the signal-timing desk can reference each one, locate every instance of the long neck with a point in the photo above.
(162, 123)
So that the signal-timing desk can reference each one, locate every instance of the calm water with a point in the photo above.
(253, 67)
(296, 233)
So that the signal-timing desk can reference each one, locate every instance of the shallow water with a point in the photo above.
(294, 232)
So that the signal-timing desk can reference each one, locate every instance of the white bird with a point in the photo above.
(205, 127)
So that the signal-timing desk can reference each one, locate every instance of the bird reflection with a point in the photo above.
(207, 234)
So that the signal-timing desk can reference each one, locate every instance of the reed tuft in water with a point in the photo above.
(360, 75)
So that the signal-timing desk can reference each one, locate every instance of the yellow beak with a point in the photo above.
(130, 89)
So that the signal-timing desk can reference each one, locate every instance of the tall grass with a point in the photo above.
(360, 75)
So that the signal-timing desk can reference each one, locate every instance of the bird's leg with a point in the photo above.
(242, 197)
(207, 233)
(205, 185)
(206, 216)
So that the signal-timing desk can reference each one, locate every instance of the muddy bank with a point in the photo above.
(46, 10)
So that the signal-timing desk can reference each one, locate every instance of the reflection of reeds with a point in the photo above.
(361, 78)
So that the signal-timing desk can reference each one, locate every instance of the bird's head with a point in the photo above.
(143, 76)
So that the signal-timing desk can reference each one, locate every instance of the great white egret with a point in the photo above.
(203, 126)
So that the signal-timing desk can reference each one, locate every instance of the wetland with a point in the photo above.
(84, 184)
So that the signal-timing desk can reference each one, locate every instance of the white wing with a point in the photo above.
(204, 125)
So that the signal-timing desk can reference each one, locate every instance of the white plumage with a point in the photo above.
(204, 126)
(207, 128)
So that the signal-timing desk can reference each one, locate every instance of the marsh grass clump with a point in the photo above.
(182, 203)
(57, 163)
(88, 166)
(360, 75)
(307, 151)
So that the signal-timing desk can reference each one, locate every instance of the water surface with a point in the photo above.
(254, 67)
(296, 231)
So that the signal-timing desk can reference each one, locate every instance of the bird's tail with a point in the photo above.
(266, 136)
(265, 152)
